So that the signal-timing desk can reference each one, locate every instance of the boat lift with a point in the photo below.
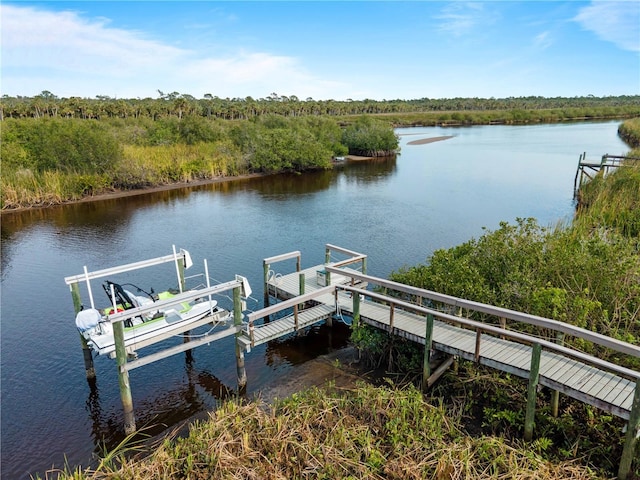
(126, 357)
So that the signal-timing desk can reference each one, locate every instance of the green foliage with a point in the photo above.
(188, 130)
(283, 149)
(423, 111)
(272, 144)
(370, 137)
(589, 280)
(64, 145)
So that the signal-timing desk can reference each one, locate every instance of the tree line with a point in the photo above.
(175, 104)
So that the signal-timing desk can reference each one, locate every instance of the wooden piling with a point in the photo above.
(534, 376)
(89, 369)
(265, 268)
(426, 361)
(356, 309)
(631, 438)
(123, 379)
(237, 322)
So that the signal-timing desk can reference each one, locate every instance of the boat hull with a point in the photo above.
(172, 323)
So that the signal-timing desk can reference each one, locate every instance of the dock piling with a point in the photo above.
(123, 379)
(237, 322)
(534, 377)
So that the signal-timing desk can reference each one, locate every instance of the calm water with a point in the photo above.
(398, 211)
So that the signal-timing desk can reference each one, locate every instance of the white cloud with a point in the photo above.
(73, 56)
(543, 40)
(617, 22)
(460, 18)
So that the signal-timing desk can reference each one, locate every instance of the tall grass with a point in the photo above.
(612, 202)
(26, 188)
(140, 167)
(145, 166)
(328, 433)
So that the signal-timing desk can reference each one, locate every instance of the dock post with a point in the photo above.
(301, 280)
(364, 266)
(356, 309)
(327, 255)
(237, 322)
(631, 439)
(426, 362)
(555, 395)
(123, 379)
(534, 371)
(265, 268)
(356, 314)
(89, 369)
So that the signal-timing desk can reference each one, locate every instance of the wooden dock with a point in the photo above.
(435, 320)
(610, 391)
(587, 169)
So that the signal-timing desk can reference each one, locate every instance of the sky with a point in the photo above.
(380, 50)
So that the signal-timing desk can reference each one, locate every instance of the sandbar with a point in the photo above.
(422, 141)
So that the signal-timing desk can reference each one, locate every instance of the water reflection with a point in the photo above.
(318, 340)
(171, 406)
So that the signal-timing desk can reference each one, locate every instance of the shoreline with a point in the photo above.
(114, 194)
(138, 191)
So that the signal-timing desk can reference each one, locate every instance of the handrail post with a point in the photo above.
(426, 361)
(123, 378)
(476, 355)
(529, 420)
(631, 439)
(555, 395)
(327, 254)
(391, 316)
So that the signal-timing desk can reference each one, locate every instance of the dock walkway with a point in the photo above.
(584, 378)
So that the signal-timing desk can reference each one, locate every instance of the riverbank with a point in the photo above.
(139, 191)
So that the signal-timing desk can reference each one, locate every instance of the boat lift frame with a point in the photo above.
(239, 286)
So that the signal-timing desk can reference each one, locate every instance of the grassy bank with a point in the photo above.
(366, 432)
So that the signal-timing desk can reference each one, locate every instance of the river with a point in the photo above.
(397, 211)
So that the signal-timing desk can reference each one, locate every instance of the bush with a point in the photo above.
(66, 145)
(370, 137)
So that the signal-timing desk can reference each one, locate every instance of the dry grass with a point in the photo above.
(365, 433)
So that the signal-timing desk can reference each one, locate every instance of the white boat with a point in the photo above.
(172, 317)
(148, 317)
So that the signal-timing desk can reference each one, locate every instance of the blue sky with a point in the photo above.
(323, 50)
